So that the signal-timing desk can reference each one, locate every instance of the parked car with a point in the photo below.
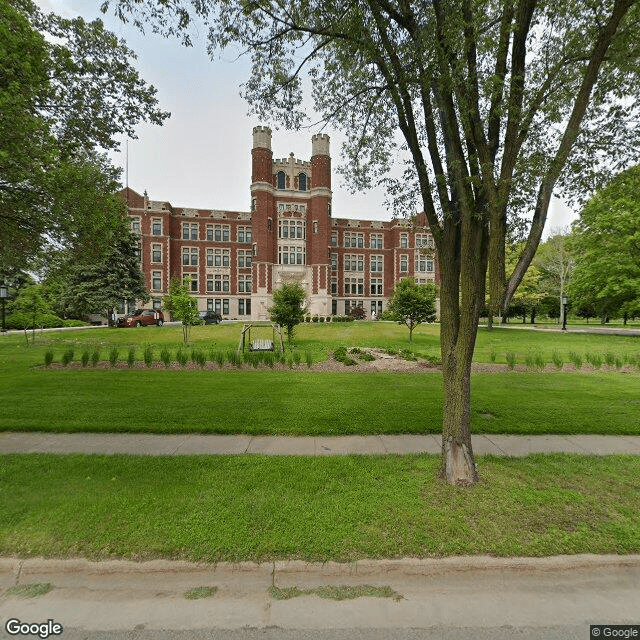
(142, 317)
(210, 317)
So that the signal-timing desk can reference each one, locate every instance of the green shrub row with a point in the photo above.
(329, 319)
(19, 320)
(182, 357)
(537, 361)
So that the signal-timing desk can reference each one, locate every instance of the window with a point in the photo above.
(156, 303)
(209, 304)
(302, 182)
(156, 280)
(138, 252)
(404, 241)
(156, 227)
(244, 284)
(190, 256)
(376, 241)
(334, 286)
(291, 255)
(244, 259)
(209, 282)
(376, 263)
(253, 204)
(244, 306)
(281, 180)
(221, 257)
(404, 263)
(423, 263)
(292, 229)
(334, 262)
(218, 305)
(225, 306)
(156, 253)
(376, 286)
(354, 240)
(192, 278)
(315, 226)
(221, 282)
(135, 225)
(244, 235)
(221, 233)
(354, 286)
(354, 262)
(424, 241)
(189, 231)
(209, 257)
(210, 232)
(334, 239)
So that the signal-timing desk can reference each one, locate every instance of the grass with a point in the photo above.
(197, 593)
(232, 508)
(295, 402)
(335, 592)
(33, 590)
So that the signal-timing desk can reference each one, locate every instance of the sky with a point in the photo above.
(201, 156)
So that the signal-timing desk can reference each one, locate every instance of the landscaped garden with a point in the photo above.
(341, 508)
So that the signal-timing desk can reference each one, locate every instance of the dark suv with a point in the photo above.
(210, 317)
(142, 317)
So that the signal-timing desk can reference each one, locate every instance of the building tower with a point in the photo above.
(290, 213)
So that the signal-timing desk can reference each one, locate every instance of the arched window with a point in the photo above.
(281, 180)
(302, 182)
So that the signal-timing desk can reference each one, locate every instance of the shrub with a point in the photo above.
(594, 359)
(492, 355)
(314, 319)
(576, 358)
(201, 358)
(113, 356)
(556, 358)
(48, 358)
(340, 355)
(165, 356)
(511, 359)
(67, 357)
(131, 357)
(148, 355)
(84, 358)
(618, 362)
(609, 359)
(367, 357)
(357, 313)
(182, 358)
(539, 361)
(308, 357)
(297, 358)
(95, 357)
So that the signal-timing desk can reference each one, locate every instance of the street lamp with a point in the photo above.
(564, 312)
(3, 297)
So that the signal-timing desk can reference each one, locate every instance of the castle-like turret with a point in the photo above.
(320, 161)
(262, 155)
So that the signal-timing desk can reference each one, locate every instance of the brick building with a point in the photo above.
(235, 259)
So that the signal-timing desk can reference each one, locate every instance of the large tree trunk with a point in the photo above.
(462, 279)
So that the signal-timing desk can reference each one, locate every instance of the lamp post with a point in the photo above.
(564, 312)
(3, 297)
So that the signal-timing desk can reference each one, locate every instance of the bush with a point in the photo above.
(131, 357)
(340, 355)
(297, 358)
(147, 356)
(576, 358)
(511, 359)
(113, 356)
(388, 315)
(84, 358)
(165, 356)
(20, 320)
(182, 358)
(556, 358)
(308, 357)
(357, 313)
(48, 358)
(95, 357)
(67, 357)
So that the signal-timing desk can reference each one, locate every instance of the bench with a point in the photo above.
(261, 345)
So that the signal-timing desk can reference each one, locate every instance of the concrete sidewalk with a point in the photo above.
(482, 592)
(191, 444)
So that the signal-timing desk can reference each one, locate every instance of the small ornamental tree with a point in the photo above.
(288, 307)
(182, 305)
(412, 304)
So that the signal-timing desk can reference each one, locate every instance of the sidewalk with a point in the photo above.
(193, 444)
(457, 592)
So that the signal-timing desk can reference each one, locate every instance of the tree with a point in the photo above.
(485, 101)
(606, 243)
(100, 285)
(67, 90)
(182, 305)
(412, 304)
(529, 294)
(288, 307)
(555, 261)
(31, 302)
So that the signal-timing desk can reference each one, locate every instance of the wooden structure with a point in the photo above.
(261, 344)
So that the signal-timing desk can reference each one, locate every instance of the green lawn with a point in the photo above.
(313, 403)
(340, 508)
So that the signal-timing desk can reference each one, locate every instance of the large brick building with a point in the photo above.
(235, 259)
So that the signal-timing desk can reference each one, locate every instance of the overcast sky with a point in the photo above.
(201, 156)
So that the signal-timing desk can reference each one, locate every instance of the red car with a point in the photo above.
(142, 317)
